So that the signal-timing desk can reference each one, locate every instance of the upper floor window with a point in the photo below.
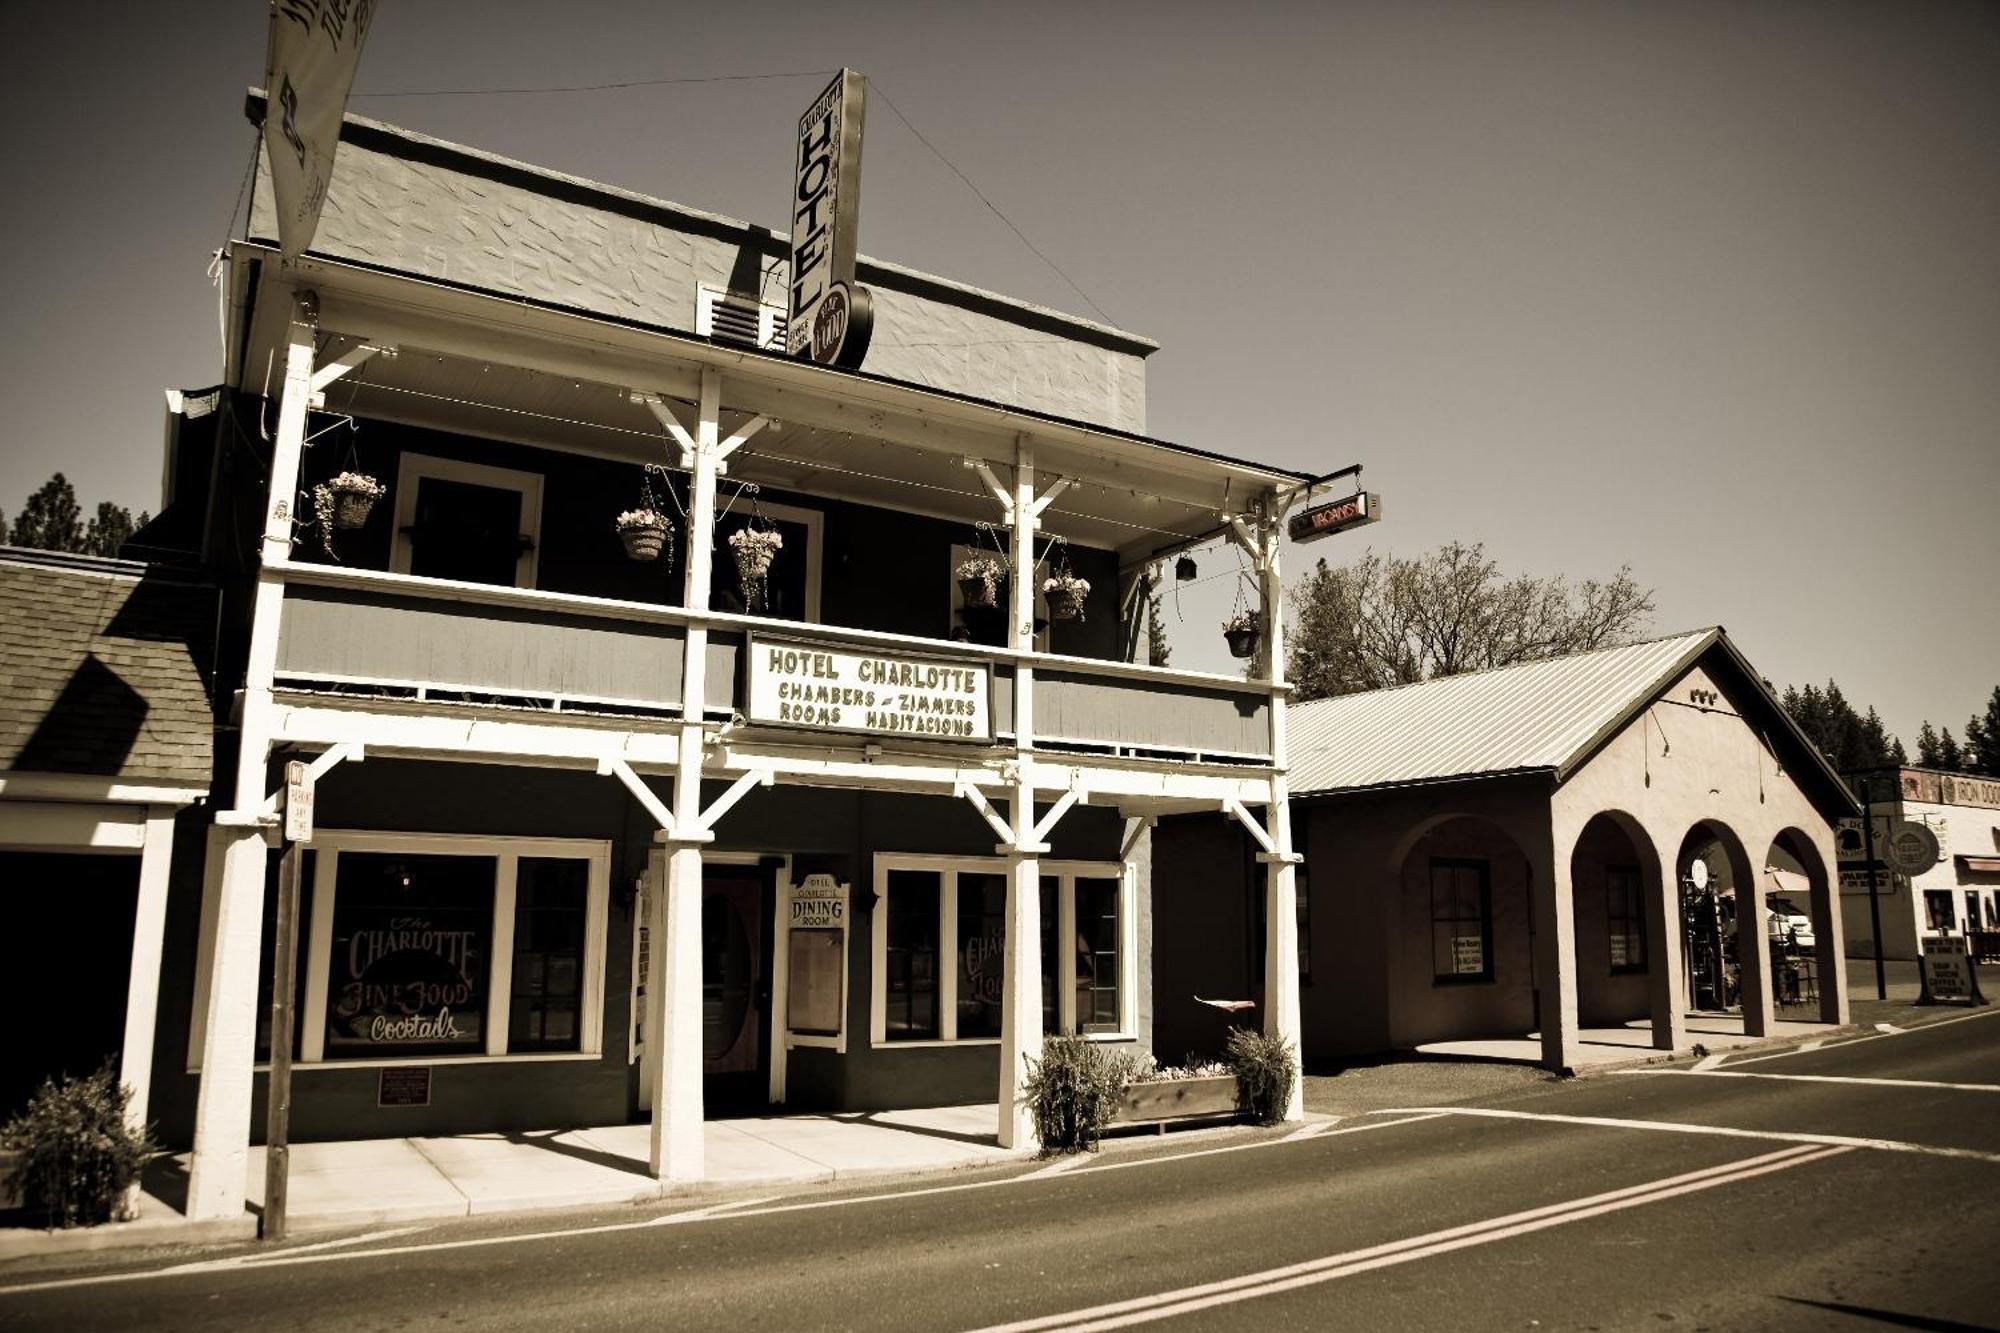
(790, 589)
(466, 521)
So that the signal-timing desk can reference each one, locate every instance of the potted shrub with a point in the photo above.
(1066, 592)
(644, 532)
(353, 495)
(1265, 1071)
(1073, 1093)
(979, 581)
(1242, 631)
(74, 1157)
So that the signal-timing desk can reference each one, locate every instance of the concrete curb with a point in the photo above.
(26, 1243)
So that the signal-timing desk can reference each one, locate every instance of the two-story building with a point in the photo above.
(1959, 894)
(599, 837)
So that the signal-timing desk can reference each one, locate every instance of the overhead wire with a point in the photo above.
(599, 87)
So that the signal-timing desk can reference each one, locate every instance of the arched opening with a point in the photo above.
(1464, 931)
(1614, 876)
(1717, 886)
(1804, 935)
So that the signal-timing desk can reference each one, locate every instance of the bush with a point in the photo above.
(77, 1156)
(1265, 1072)
(1073, 1091)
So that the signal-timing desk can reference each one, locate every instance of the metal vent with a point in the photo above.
(728, 317)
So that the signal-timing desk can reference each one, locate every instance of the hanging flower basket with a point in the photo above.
(644, 532)
(1243, 633)
(1066, 592)
(353, 495)
(754, 549)
(979, 581)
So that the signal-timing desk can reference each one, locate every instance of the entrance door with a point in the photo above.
(65, 961)
(737, 917)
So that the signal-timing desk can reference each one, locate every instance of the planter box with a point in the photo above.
(1166, 1101)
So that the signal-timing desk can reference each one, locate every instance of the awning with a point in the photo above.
(1787, 882)
(1981, 865)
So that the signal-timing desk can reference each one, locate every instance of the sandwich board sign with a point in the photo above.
(1948, 974)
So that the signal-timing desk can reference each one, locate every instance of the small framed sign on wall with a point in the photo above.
(404, 1085)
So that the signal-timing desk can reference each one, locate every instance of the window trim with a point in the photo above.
(507, 852)
(948, 869)
(1485, 869)
(1628, 968)
(414, 467)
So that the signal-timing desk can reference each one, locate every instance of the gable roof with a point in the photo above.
(1538, 717)
(104, 670)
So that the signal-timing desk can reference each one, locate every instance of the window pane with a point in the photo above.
(1097, 955)
(466, 531)
(412, 939)
(910, 964)
(1459, 924)
(550, 896)
(981, 952)
(1051, 954)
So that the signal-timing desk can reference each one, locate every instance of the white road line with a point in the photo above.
(1820, 1078)
(1719, 1131)
(1250, 1286)
(720, 1212)
(1888, 1030)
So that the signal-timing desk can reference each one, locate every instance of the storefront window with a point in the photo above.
(910, 965)
(410, 956)
(1623, 908)
(550, 896)
(1461, 921)
(1937, 909)
(1097, 939)
(981, 952)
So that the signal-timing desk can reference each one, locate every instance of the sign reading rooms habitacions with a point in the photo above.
(801, 685)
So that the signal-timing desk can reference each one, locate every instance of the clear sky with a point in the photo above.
(1712, 289)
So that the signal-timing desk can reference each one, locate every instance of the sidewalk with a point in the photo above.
(368, 1182)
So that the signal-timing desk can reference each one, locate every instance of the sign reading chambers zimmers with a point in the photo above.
(830, 316)
(837, 689)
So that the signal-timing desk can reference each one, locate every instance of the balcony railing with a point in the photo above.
(364, 631)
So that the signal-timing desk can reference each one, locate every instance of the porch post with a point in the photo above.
(1021, 978)
(674, 995)
(1281, 921)
(1753, 952)
(1554, 911)
(216, 1175)
(142, 989)
(1666, 983)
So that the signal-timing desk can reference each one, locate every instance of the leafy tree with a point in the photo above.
(1982, 739)
(1385, 620)
(1158, 650)
(50, 520)
(110, 528)
(1848, 739)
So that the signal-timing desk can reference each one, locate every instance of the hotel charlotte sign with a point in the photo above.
(885, 693)
(830, 316)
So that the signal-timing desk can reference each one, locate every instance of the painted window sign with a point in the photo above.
(1461, 920)
(799, 685)
(411, 953)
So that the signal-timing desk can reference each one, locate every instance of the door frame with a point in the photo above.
(652, 881)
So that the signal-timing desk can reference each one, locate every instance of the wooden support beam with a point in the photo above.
(977, 799)
(648, 799)
(1056, 488)
(1000, 493)
(346, 361)
(1250, 822)
(1056, 812)
(317, 769)
(756, 777)
(670, 421)
(741, 436)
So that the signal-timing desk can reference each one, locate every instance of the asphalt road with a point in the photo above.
(1854, 1186)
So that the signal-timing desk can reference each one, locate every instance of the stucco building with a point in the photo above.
(1515, 851)
(1960, 894)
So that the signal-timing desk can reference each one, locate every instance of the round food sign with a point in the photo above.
(1911, 849)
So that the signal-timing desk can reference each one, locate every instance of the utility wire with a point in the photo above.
(599, 87)
(1053, 266)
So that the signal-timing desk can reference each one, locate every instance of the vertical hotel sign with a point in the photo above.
(830, 317)
(314, 48)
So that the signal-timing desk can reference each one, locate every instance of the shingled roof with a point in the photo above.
(104, 670)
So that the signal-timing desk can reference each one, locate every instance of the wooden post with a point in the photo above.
(1021, 976)
(278, 1104)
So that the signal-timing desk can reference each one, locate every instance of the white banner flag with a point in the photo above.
(315, 46)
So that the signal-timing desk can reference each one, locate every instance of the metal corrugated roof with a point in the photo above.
(1536, 716)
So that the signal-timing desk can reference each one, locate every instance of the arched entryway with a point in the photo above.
(1464, 933)
(1614, 876)
(1723, 951)
(1803, 928)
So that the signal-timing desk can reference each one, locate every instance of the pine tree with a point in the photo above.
(50, 520)
(1949, 758)
(1928, 754)
(1982, 739)
(1850, 741)
(3, 527)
